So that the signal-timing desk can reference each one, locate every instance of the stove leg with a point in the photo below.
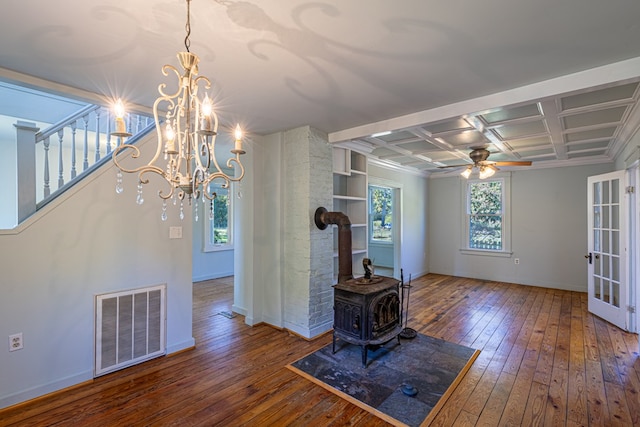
(364, 356)
(334, 343)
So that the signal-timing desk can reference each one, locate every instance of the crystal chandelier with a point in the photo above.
(186, 127)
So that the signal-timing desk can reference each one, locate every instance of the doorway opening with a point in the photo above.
(384, 228)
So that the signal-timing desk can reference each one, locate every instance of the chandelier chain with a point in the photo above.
(187, 27)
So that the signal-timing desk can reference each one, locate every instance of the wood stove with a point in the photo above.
(367, 312)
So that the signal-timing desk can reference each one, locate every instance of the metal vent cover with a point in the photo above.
(130, 328)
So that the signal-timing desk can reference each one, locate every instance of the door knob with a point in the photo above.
(589, 257)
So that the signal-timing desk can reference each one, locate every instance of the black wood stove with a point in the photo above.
(366, 312)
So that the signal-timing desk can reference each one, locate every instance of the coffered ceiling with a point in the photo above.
(551, 82)
(589, 126)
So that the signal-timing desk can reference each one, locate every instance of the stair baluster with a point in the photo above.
(60, 162)
(108, 133)
(97, 136)
(47, 188)
(85, 155)
(74, 126)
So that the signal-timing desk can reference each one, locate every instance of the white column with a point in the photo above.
(26, 169)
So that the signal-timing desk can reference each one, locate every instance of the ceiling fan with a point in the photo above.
(486, 168)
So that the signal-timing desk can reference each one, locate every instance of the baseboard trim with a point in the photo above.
(45, 390)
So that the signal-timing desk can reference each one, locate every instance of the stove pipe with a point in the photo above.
(323, 218)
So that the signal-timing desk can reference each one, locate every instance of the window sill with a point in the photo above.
(380, 243)
(218, 248)
(486, 252)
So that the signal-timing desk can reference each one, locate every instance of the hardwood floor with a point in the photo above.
(544, 361)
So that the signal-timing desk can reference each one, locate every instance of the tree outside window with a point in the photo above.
(485, 214)
(381, 213)
(218, 219)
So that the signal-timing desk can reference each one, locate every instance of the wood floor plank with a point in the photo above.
(544, 361)
(492, 411)
(544, 367)
(556, 407)
(577, 390)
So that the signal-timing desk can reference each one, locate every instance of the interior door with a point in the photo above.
(607, 248)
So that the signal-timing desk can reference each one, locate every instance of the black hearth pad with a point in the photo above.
(431, 366)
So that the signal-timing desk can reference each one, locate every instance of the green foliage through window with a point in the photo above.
(381, 207)
(485, 215)
(218, 216)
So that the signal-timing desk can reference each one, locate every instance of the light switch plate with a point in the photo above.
(175, 232)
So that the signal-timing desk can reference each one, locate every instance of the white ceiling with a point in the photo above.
(555, 82)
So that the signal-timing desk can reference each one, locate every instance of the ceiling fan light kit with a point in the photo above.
(486, 168)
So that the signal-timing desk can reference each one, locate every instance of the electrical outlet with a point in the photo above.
(15, 342)
(516, 261)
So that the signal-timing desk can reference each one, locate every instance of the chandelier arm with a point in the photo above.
(162, 86)
(198, 178)
(156, 118)
(134, 155)
(236, 160)
(212, 177)
(142, 171)
(197, 81)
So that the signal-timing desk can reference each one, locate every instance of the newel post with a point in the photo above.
(26, 168)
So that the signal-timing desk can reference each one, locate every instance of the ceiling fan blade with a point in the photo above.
(455, 166)
(523, 163)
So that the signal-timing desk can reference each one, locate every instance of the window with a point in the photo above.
(381, 214)
(218, 219)
(487, 227)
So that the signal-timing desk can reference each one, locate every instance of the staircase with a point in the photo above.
(51, 160)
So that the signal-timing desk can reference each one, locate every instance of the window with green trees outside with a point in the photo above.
(485, 214)
(218, 219)
(381, 213)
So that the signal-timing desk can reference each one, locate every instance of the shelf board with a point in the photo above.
(337, 196)
(353, 252)
(358, 251)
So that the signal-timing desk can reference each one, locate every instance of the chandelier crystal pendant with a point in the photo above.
(186, 127)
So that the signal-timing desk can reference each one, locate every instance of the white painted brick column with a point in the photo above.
(308, 258)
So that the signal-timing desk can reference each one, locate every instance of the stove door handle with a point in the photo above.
(356, 322)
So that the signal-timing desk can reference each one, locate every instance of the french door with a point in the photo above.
(607, 249)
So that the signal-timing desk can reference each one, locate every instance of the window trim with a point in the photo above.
(505, 252)
(207, 246)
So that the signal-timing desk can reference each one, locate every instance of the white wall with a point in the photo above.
(279, 278)
(549, 229)
(87, 242)
(630, 153)
(258, 266)
(8, 165)
(413, 209)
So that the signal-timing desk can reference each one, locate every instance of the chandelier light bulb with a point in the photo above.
(170, 146)
(119, 111)
(237, 149)
(207, 106)
(467, 172)
(206, 113)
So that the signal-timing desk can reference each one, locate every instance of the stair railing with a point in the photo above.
(92, 125)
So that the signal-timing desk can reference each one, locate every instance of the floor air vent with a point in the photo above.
(130, 328)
